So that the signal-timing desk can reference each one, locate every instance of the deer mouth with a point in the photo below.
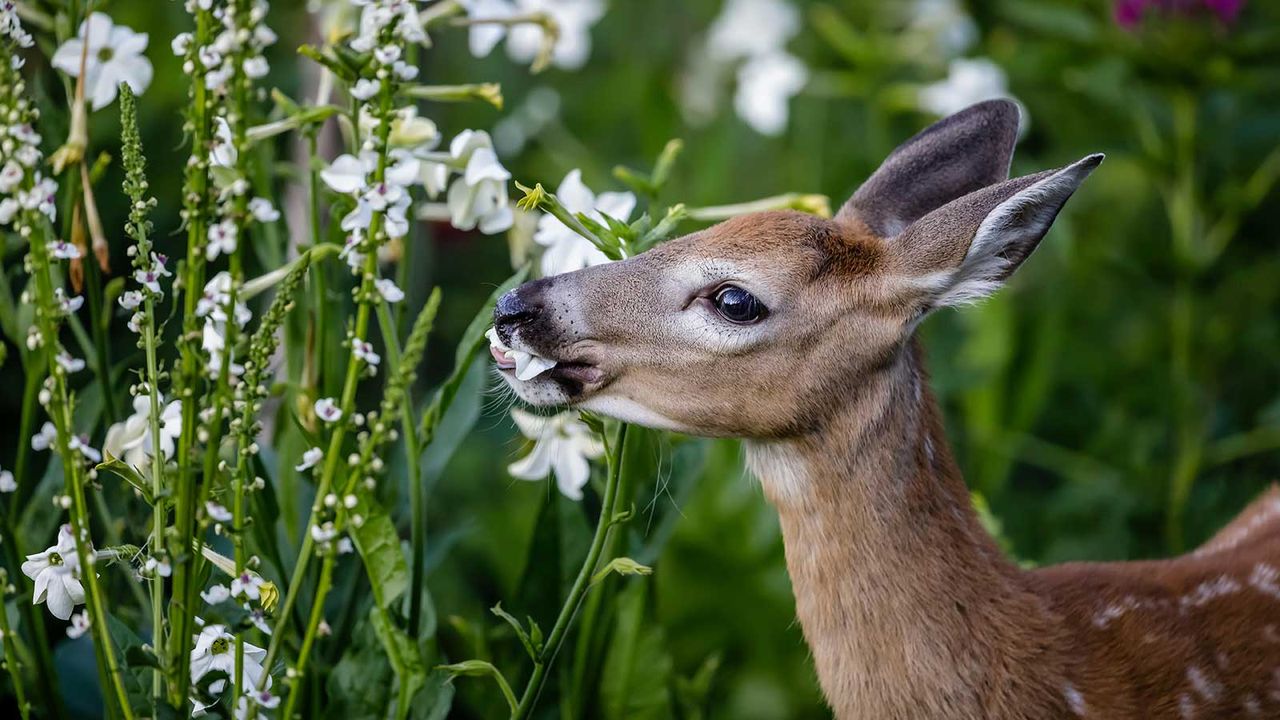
(573, 376)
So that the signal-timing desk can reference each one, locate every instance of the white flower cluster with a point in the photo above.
(214, 306)
(23, 187)
(755, 33)
(238, 46)
(573, 20)
(566, 250)
(11, 26)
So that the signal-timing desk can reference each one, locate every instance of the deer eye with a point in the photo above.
(738, 305)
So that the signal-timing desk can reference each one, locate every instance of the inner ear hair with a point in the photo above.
(965, 250)
(957, 155)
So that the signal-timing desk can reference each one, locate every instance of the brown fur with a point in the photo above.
(909, 607)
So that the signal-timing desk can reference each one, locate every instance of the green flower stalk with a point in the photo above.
(377, 181)
(32, 222)
(148, 270)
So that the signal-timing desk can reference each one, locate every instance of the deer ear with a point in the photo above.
(953, 157)
(963, 251)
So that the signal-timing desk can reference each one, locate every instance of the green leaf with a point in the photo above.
(359, 685)
(126, 472)
(637, 670)
(379, 546)
(411, 674)
(137, 683)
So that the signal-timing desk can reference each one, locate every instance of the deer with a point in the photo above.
(796, 334)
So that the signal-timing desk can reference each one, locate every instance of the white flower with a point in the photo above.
(388, 290)
(248, 585)
(309, 459)
(344, 546)
(63, 250)
(114, 57)
(263, 211)
(46, 438)
(67, 304)
(944, 25)
(131, 440)
(160, 567)
(218, 512)
(566, 250)
(562, 444)
(363, 351)
(181, 43)
(150, 277)
(261, 698)
(573, 18)
(7, 483)
(365, 88)
(81, 443)
(54, 572)
(79, 625)
(214, 650)
(222, 152)
(11, 26)
(328, 410)
(347, 173)
(528, 365)
(483, 37)
(323, 533)
(748, 28)
(215, 594)
(68, 363)
(479, 196)
(10, 175)
(222, 240)
(969, 81)
(256, 67)
(766, 84)
(131, 300)
(259, 620)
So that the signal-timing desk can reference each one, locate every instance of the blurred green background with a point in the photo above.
(1121, 399)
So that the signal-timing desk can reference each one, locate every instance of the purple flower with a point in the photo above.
(1129, 14)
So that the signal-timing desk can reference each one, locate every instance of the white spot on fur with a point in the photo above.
(1186, 707)
(1264, 580)
(1209, 591)
(1252, 707)
(1075, 700)
(1109, 613)
(1203, 685)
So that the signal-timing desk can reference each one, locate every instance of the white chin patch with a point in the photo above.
(527, 365)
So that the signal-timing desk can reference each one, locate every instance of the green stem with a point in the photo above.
(11, 654)
(580, 584)
(366, 293)
(417, 493)
(313, 625)
(157, 508)
(189, 377)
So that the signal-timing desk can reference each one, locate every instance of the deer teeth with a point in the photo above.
(528, 365)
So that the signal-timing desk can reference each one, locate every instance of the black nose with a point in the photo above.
(511, 312)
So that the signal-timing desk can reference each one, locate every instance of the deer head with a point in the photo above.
(761, 326)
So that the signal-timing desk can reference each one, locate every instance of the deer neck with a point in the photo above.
(909, 607)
